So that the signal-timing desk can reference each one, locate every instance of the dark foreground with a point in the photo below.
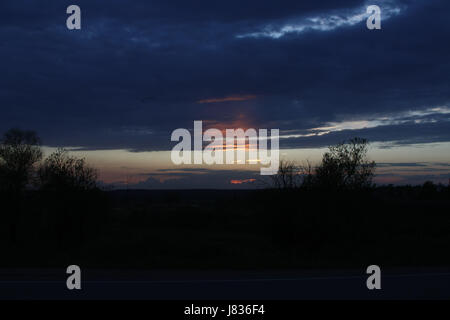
(218, 285)
(228, 230)
(325, 239)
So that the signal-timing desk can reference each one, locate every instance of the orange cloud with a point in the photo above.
(242, 181)
(228, 98)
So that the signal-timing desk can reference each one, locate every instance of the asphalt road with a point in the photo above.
(192, 285)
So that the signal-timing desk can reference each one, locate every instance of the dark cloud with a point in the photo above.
(401, 164)
(137, 69)
(400, 134)
(133, 12)
(416, 179)
(198, 178)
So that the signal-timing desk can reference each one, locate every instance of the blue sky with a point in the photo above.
(137, 70)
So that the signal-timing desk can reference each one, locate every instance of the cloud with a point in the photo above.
(401, 164)
(326, 22)
(228, 99)
(390, 135)
(416, 179)
(195, 178)
(135, 72)
(242, 181)
(427, 115)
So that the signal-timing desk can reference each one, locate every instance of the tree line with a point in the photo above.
(344, 166)
(59, 192)
(22, 166)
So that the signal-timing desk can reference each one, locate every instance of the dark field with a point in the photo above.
(211, 229)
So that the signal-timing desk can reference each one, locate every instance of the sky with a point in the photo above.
(114, 91)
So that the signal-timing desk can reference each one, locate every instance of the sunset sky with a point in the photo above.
(114, 91)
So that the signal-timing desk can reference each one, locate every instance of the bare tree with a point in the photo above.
(307, 175)
(19, 152)
(60, 171)
(292, 175)
(286, 177)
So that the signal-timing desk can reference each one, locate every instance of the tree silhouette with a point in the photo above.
(292, 175)
(63, 172)
(345, 166)
(19, 152)
(287, 175)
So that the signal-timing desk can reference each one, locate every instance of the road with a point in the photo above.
(193, 285)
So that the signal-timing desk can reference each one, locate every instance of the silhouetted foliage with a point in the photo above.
(345, 166)
(60, 171)
(74, 206)
(287, 175)
(292, 175)
(19, 152)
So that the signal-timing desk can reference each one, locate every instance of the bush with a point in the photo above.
(63, 172)
(19, 152)
(345, 166)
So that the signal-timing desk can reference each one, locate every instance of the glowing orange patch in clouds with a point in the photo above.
(241, 121)
(228, 98)
(242, 181)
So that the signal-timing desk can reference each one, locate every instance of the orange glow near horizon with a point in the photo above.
(242, 181)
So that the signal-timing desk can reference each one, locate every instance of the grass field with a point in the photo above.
(208, 229)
